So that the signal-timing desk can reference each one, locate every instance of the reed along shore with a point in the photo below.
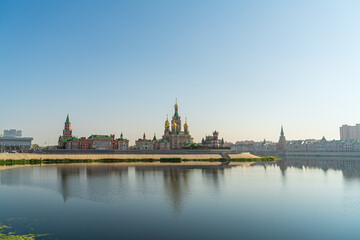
(15, 159)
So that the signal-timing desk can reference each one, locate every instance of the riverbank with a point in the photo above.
(120, 156)
(134, 164)
(7, 160)
(188, 164)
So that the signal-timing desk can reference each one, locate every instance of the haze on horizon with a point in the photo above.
(243, 68)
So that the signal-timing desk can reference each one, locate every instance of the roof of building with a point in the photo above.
(122, 139)
(99, 136)
(70, 139)
(16, 138)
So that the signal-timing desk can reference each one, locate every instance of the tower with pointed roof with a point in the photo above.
(280, 146)
(176, 136)
(121, 143)
(67, 132)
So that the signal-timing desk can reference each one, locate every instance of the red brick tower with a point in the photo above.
(67, 133)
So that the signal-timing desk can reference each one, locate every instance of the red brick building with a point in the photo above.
(97, 142)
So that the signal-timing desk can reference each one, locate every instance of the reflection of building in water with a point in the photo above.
(65, 172)
(70, 185)
(350, 168)
(213, 175)
(109, 182)
(176, 182)
(105, 170)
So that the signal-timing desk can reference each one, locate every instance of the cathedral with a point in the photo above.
(174, 134)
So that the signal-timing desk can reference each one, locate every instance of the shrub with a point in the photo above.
(170, 160)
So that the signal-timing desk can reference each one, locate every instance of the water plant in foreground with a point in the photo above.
(7, 233)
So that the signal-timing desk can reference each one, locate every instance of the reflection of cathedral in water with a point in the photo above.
(105, 183)
(177, 181)
(177, 187)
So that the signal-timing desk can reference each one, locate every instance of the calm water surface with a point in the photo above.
(293, 199)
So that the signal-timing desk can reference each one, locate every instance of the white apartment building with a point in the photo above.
(350, 132)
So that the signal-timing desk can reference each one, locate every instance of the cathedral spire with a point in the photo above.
(281, 145)
(176, 106)
(67, 119)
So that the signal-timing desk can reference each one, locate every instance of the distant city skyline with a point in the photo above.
(238, 67)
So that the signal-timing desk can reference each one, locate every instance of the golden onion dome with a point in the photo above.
(186, 125)
(167, 123)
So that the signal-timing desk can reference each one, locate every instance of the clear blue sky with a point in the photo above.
(240, 67)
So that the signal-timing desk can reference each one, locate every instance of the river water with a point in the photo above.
(291, 199)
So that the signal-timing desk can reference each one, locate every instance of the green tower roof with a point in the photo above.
(67, 119)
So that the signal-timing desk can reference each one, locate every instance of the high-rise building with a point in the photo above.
(12, 133)
(350, 132)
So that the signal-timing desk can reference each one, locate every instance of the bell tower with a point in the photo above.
(167, 126)
(186, 127)
(67, 133)
(282, 141)
(176, 120)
